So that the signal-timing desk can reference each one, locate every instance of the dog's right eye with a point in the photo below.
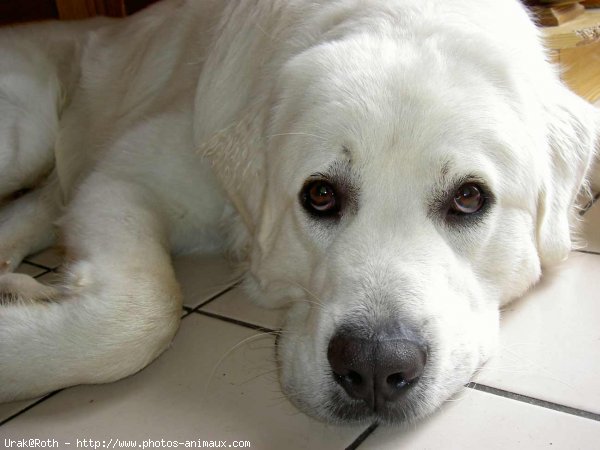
(469, 199)
(319, 198)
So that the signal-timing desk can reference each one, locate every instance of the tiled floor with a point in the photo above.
(218, 380)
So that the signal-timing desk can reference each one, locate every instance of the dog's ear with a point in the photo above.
(237, 157)
(572, 136)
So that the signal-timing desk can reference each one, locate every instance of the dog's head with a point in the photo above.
(397, 193)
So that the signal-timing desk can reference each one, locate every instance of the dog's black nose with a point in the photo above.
(377, 369)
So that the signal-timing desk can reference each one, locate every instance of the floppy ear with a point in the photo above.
(572, 136)
(237, 156)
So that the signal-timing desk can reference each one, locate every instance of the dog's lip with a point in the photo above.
(348, 410)
(357, 413)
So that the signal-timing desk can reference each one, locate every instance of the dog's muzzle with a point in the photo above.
(377, 367)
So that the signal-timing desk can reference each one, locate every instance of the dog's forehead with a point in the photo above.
(388, 107)
(412, 107)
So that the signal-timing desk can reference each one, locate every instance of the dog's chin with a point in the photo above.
(343, 409)
(337, 407)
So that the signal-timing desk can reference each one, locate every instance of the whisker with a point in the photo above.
(318, 301)
(319, 305)
(262, 374)
(297, 134)
(232, 349)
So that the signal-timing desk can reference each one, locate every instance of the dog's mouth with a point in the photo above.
(344, 408)
(340, 408)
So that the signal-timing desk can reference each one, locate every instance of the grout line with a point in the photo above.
(236, 321)
(190, 309)
(214, 297)
(40, 266)
(534, 401)
(27, 408)
(185, 311)
(589, 252)
(43, 273)
(363, 436)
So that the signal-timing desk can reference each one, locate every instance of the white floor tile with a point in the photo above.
(207, 386)
(236, 304)
(202, 277)
(550, 338)
(50, 258)
(477, 420)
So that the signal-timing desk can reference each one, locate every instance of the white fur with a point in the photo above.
(152, 130)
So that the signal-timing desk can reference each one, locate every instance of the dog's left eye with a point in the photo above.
(468, 199)
(320, 198)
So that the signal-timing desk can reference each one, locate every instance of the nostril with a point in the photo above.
(351, 366)
(352, 378)
(399, 380)
(396, 381)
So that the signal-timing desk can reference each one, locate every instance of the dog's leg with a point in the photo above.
(117, 310)
(27, 224)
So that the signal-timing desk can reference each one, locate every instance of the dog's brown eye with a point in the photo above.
(468, 199)
(319, 198)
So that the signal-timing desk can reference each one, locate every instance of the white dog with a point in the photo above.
(396, 170)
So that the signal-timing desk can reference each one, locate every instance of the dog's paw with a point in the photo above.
(20, 288)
